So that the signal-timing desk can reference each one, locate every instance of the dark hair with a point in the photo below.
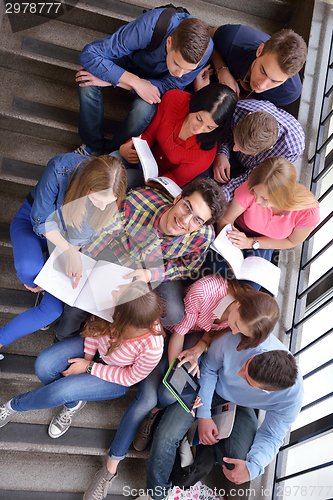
(137, 306)
(220, 101)
(191, 38)
(212, 194)
(290, 49)
(274, 370)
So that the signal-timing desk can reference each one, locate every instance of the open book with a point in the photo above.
(255, 269)
(150, 167)
(94, 291)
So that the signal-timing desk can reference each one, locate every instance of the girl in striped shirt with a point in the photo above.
(101, 364)
(213, 306)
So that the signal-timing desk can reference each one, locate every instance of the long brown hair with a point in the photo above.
(104, 175)
(137, 306)
(258, 310)
(278, 175)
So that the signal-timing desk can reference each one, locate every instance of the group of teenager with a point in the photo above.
(229, 145)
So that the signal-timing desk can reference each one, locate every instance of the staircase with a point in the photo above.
(38, 120)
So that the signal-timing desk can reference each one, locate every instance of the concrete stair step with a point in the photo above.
(45, 109)
(46, 495)
(23, 158)
(274, 10)
(30, 345)
(12, 196)
(52, 473)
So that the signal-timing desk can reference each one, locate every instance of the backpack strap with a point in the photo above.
(161, 27)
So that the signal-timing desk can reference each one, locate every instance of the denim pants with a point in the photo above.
(91, 120)
(28, 249)
(58, 390)
(172, 428)
(133, 171)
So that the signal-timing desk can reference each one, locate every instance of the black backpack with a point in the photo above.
(162, 24)
(203, 463)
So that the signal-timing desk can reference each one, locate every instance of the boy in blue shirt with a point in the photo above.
(254, 64)
(264, 377)
(124, 60)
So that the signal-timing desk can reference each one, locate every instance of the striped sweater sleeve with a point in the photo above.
(132, 361)
(90, 345)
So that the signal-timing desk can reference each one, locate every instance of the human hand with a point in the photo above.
(192, 356)
(239, 474)
(140, 275)
(225, 77)
(77, 366)
(34, 289)
(239, 239)
(196, 404)
(207, 431)
(73, 267)
(84, 79)
(128, 152)
(147, 91)
(221, 168)
(203, 78)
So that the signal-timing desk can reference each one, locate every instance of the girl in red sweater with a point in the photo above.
(183, 134)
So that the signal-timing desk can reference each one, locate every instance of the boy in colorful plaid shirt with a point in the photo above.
(165, 240)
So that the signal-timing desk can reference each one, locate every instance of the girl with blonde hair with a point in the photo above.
(71, 202)
(270, 211)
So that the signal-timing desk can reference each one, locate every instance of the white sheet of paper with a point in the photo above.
(148, 162)
(231, 254)
(169, 185)
(261, 271)
(103, 280)
(94, 291)
(54, 280)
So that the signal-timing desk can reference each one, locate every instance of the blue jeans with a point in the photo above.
(91, 120)
(172, 428)
(28, 249)
(58, 390)
(144, 401)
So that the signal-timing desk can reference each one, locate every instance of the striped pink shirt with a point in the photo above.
(130, 363)
(200, 301)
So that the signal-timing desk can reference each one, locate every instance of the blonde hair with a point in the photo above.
(278, 175)
(256, 132)
(104, 175)
(137, 306)
(258, 310)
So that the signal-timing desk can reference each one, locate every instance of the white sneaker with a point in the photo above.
(84, 150)
(61, 422)
(5, 415)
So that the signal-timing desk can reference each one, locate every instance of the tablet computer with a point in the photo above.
(182, 384)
